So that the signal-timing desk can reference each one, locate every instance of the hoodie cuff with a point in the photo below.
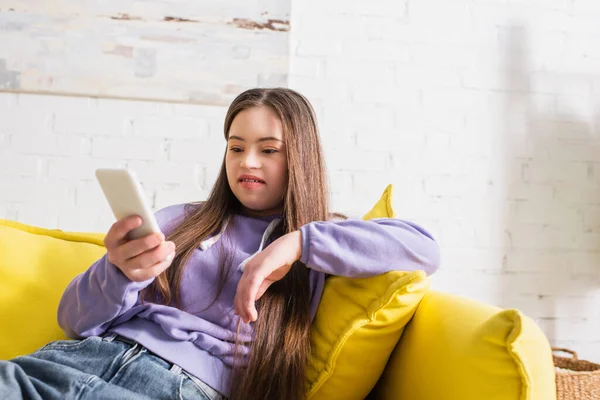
(305, 231)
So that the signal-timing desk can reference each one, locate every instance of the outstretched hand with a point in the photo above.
(262, 270)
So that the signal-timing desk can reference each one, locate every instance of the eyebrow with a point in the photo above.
(262, 139)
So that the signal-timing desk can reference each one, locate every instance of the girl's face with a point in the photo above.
(256, 161)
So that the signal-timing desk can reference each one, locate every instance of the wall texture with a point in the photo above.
(482, 113)
(190, 51)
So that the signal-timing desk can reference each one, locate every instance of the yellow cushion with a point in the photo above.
(36, 265)
(460, 349)
(358, 324)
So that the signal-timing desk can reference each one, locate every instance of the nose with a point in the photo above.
(250, 160)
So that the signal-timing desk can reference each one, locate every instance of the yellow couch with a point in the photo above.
(452, 348)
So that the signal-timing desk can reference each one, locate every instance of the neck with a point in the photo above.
(273, 212)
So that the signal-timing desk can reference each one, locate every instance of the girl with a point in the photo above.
(228, 314)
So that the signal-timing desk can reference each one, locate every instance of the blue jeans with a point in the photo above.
(98, 368)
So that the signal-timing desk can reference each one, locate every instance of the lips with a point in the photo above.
(250, 179)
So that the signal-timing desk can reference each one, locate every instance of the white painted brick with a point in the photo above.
(31, 121)
(585, 7)
(574, 151)
(90, 123)
(582, 263)
(576, 194)
(36, 193)
(317, 47)
(454, 101)
(9, 211)
(205, 112)
(591, 216)
(129, 148)
(493, 14)
(451, 186)
(391, 95)
(471, 259)
(128, 108)
(577, 107)
(52, 103)
(538, 236)
(382, 8)
(38, 217)
(577, 329)
(52, 145)
(445, 56)
(588, 241)
(179, 195)
(546, 171)
(361, 71)
(340, 182)
(6, 100)
(19, 165)
(430, 160)
(421, 76)
(308, 67)
(385, 28)
(5, 140)
(372, 183)
(537, 261)
(563, 5)
(549, 82)
(456, 234)
(88, 194)
(375, 50)
(86, 219)
(319, 89)
(347, 160)
(489, 233)
(170, 127)
(193, 151)
(16, 189)
(77, 168)
(167, 172)
(538, 193)
(494, 79)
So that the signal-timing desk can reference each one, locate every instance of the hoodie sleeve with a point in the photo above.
(99, 295)
(357, 248)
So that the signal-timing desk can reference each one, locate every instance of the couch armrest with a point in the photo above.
(456, 348)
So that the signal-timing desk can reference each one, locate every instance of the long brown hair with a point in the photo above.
(280, 347)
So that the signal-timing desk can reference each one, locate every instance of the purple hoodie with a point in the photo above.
(201, 340)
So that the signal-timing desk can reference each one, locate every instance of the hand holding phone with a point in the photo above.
(134, 243)
(126, 197)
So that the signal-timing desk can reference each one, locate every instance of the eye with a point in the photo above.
(270, 151)
(235, 149)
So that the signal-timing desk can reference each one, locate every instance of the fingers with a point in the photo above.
(119, 229)
(143, 274)
(245, 299)
(136, 247)
(149, 258)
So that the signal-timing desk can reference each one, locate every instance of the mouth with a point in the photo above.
(250, 179)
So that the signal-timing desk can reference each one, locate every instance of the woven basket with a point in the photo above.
(581, 381)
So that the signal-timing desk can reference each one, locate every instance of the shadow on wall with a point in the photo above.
(551, 213)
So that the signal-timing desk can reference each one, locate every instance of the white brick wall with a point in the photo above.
(483, 114)
(50, 147)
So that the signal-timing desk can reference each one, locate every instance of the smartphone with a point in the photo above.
(126, 197)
